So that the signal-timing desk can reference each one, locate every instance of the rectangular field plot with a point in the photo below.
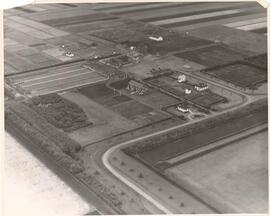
(103, 95)
(122, 104)
(212, 56)
(242, 75)
(207, 99)
(57, 79)
(158, 156)
(235, 174)
(78, 19)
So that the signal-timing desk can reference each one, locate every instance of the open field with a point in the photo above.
(239, 74)
(234, 176)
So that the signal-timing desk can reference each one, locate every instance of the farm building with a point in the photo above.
(156, 38)
(187, 91)
(183, 108)
(201, 87)
(182, 78)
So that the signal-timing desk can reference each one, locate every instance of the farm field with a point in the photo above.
(212, 56)
(166, 151)
(106, 123)
(234, 176)
(205, 99)
(239, 74)
(129, 99)
(123, 105)
(56, 79)
(249, 43)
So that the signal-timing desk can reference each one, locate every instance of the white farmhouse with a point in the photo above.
(156, 38)
(182, 78)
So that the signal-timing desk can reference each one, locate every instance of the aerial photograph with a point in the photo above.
(136, 108)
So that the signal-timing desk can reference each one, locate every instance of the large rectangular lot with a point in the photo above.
(234, 176)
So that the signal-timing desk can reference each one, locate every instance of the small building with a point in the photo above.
(183, 108)
(137, 87)
(201, 87)
(182, 78)
(187, 91)
(156, 38)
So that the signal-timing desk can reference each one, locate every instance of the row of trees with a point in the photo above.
(156, 141)
(44, 142)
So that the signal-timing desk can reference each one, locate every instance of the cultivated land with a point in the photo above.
(233, 176)
(95, 90)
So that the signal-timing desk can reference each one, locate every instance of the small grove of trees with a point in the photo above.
(60, 112)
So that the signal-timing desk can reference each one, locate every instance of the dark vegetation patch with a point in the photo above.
(103, 95)
(60, 112)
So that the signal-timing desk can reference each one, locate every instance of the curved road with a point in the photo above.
(106, 163)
